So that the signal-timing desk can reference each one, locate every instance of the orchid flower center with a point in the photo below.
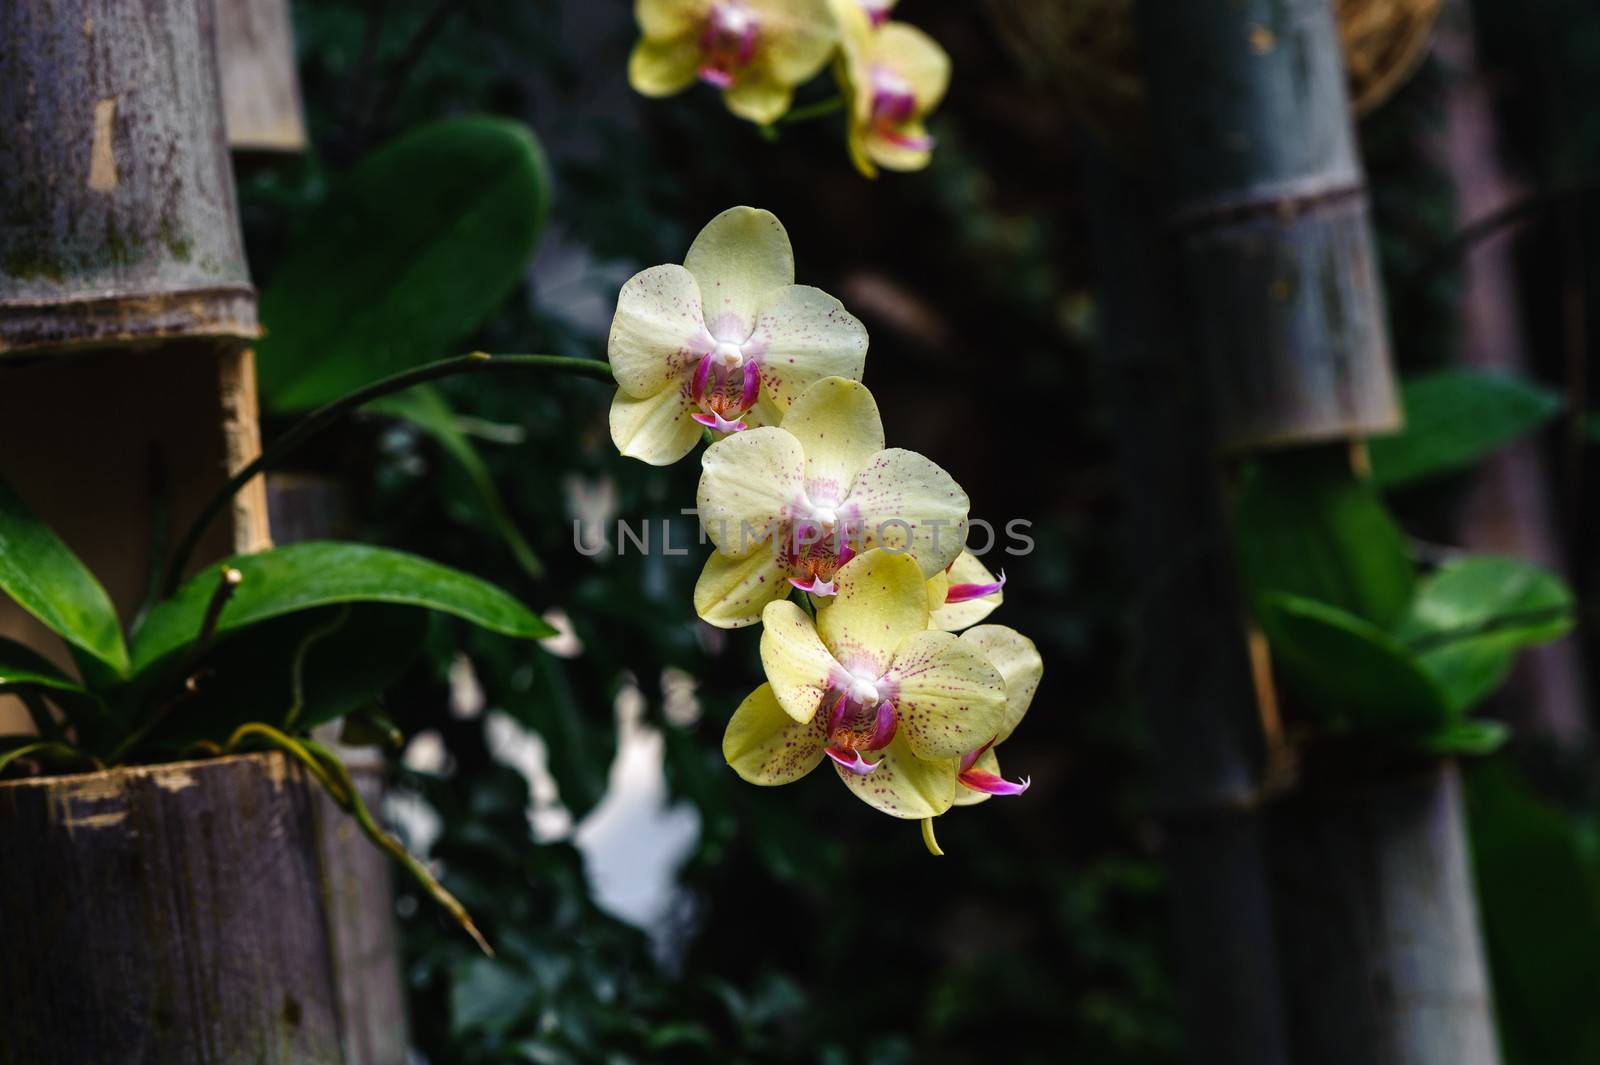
(813, 554)
(894, 105)
(728, 42)
(725, 386)
(877, 11)
(864, 691)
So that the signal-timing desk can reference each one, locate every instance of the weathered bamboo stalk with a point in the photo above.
(117, 218)
(1195, 680)
(260, 89)
(164, 916)
(1268, 201)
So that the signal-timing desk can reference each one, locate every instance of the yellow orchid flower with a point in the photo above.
(893, 704)
(964, 594)
(877, 10)
(699, 345)
(787, 506)
(1017, 660)
(755, 51)
(893, 76)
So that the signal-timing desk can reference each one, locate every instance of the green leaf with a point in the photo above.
(1349, 670)
(320, 664)
(23, 667)
(1539, 895)
(1454, 418)
(1471, 738)
(47, 580)
(410, 253)
(305, 576)
(1470, 619)
(1306, 525)
(427, 409)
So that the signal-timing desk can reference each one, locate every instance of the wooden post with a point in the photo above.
(260, 90)
(168, 914)
(1372, 898)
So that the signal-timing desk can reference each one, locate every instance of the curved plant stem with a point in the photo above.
(324, 417)
(50, 748)
(335, 778)
(929, 840)
(820, 109)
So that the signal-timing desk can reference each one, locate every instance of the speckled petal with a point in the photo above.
(740, 257)
(1018, 662)
(663, 66)
(904, 785)
(951, 700)
(837, 422)
(732, 592)
(748, 486)
(953, 617)
(798, 666)
(881, 600)
(766, 746)
(657, 334)
(656, 429)
(906, 503)
(803, 335)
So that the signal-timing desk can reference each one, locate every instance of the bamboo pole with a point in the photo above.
(1372, 900)
(1194, 674)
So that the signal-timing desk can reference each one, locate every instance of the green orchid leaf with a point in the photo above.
(407, 257)
(1466, 738)
(306, 576)
(1539, 892)
(1469, 620)
(1455, 418)
(295, 672)
(428, 410)
(44, 577)
(1352, 673)
(24, 668)
(1304, 524)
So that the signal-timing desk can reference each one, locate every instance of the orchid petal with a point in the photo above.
(748, 485)
(741, 256)
(917, 59)
(904, 785)
(881, 600)
(798, 665)
(797, 37)
(766, 746)
(803, 335)
(938, 591)
(909, 151)
(656, 429)
(949, 698)
(670, 18)
(1017, 660)
(662, 67)
(901, 490)
(966, 573)
(658, 332)
(732, 592)
(836, 420)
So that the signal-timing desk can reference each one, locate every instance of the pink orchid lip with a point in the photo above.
(847, 731)
(709, 389)
(816, 586)
(850, 761)
(990, 784)
(985, 781)
(962, 593)
(719, 423)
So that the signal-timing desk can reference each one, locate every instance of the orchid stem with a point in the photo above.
(326, 416)
(820, 109)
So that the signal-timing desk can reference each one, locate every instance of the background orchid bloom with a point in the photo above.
(964, 594)
(699, 345)
(893, 704)
(787, 506)
(877, 10)
(755, 51)
(1017, 660)
(893, 76)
